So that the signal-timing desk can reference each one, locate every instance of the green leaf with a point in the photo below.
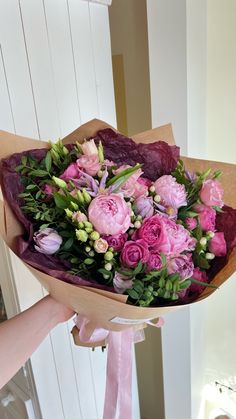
(31, 187)
(68, 244)
(38, 173)
(60, 200)
(19, 168)
(124, 175)
(38, 194)
(24, 160)
(23, 195)
(138, 269)
(48, 161)
(133, 294)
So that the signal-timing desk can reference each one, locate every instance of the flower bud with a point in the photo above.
(86, 196)
(100, 152)
(80, 197)
(152, 189)
(65, 151)
(68, 212)
(94, 235)
(81, 224)
(210, 256)
(91, 253)
(210, 234)
(108, 266)
(203, 241)
(81, 235)
(100, 173)
(87, 249)
(137, 224)
(157, 198)
(59, 182)
(48, 241)
(74, 205)
(108, 256)
(88, 224)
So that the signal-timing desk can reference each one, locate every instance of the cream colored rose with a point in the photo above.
(100, 246)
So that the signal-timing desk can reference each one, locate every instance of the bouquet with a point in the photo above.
(128, 218)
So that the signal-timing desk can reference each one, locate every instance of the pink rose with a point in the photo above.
(211, 193)
(48, 241)
(191, 223)
(151, 231)
(117, 241)
(70, 173)
(206, 217)
(121, 283)
(134, 252)
(217, 244)
(154, 261)
(199, 276)
(183, 265)
(109, 214)
(172, 193)
(90, 164)
(144, 206)
(128, 188)
(89, 148)
(165, 235)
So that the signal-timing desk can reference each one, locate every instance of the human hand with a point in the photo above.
(59, 312)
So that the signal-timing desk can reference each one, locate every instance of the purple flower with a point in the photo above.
(183, 265)
(144, 206)
(134, 252)
(48, 241)
(121, 283)
(116, 241)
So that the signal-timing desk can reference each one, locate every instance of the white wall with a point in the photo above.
(221, 145)
(177, 54)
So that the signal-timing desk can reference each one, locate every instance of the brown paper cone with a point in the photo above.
(103, 308)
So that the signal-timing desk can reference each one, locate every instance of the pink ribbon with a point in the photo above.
(118, 396)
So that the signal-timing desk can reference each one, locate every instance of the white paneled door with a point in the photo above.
(56, 73)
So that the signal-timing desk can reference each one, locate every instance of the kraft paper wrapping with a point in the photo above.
(103, 308)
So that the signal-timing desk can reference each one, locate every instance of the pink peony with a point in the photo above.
(134, 252)
(109, 214)
(154, 261)
(144, 206)
(48, 241)
(206, 217)
(172, 193)
(140, 189)
(182, 265)
(90, 164)
(70, 173)
(191, 223)
(117, 241)
(176, 239)
(217, 244)
(199, 276)
(89, 148)
(121, 283)
(211, 193)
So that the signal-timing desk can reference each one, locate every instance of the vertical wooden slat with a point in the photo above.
(36, 39)
(83, 57)
(57, 19)
(6, 116)
(17, 70)
(102, 61)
